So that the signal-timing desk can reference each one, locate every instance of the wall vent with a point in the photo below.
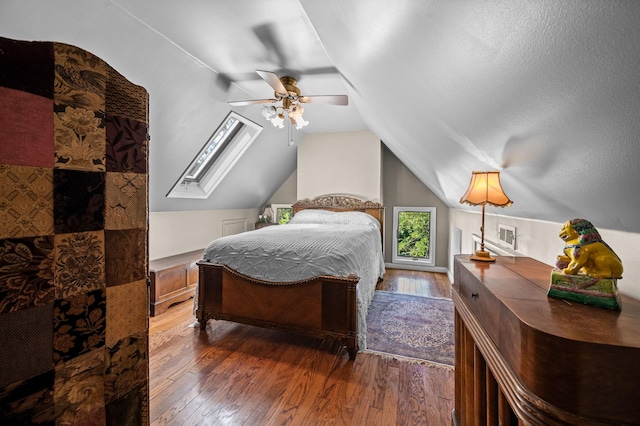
(507, 236)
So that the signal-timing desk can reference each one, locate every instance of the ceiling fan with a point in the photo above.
(286, 91)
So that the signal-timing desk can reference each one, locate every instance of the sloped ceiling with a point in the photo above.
(546, 91)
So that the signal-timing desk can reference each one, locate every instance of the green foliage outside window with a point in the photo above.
(413, 234)
(283, 216)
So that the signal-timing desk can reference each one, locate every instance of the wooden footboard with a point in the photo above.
(321, 307)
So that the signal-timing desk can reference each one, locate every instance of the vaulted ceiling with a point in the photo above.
(547, 91)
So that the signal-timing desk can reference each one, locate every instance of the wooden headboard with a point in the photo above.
(343, 203)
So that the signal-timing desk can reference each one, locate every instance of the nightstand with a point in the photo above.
(264, 224)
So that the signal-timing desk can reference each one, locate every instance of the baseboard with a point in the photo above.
(439, 269)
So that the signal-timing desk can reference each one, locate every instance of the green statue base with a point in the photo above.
(602, 292)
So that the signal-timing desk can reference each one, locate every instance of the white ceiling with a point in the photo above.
(546, 91)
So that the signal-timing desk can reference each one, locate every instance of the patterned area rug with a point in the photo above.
(411, 326)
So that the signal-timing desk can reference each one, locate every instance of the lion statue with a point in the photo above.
(586, 253)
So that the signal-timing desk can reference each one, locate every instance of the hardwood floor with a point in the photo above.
(234, 374)
(416, 282)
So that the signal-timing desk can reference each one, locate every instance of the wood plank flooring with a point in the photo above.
(234, 374)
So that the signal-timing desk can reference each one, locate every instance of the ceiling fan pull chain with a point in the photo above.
(290, 133)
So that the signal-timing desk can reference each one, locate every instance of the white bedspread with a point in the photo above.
(297, 251)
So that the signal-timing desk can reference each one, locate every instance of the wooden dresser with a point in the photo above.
(525, 358)
(173, 279)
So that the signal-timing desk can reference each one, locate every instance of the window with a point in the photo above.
(414, 235)
(282, 213)
(211, 151)
(219, 154)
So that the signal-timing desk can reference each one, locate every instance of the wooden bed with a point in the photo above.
(322, 306)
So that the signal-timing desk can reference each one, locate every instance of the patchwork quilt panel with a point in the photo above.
(73, 239)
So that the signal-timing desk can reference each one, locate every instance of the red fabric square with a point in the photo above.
(26, 129)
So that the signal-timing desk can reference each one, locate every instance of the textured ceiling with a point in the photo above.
(546, 91)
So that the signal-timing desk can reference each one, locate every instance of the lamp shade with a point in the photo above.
(485, 188)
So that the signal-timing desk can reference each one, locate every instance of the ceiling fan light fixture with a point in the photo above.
(278, 121)
(295, 115)
(269, 111)
(274, 115)
(288, 100)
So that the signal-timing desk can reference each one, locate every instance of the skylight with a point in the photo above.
(219, 154)
(215, 145)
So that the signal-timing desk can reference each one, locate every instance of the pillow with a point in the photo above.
(312, 216)
(335, 218)
(357, 218)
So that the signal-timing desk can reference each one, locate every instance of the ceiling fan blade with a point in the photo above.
(273, 80)
(270, 35)
(252, 102)
(325, 99)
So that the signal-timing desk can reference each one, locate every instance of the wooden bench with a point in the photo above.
(173, 280)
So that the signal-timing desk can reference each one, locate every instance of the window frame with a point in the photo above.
(276, 207)
(221, 162)
(431, 259)
(217, 150)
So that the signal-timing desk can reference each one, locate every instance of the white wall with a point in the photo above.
(181, 232)
(347, 163)
(287, 192)
(539, 240)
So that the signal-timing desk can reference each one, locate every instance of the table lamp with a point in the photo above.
(485, 188)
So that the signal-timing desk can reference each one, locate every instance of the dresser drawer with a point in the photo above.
(484, 305)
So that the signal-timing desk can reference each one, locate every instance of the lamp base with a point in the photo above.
(482, 256)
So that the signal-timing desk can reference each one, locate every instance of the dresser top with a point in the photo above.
(521, 284)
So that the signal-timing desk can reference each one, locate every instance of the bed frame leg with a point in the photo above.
(352, 353)
(203, 324)
(202, 319)
(352, 347)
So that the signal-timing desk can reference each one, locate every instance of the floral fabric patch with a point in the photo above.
(79, 98)
(79, 139)
(79, 263)
(79, 390)
(78, 324)
(126, 367)
(26, 273)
